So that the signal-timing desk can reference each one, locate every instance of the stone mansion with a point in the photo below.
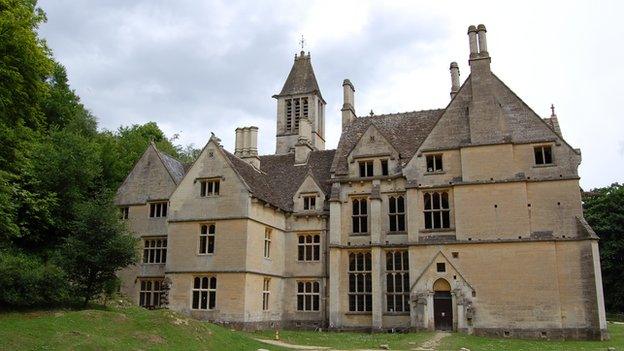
(465, 218)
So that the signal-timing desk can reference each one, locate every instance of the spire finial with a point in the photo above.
(372, 113)
(552, 110)
(302, 42)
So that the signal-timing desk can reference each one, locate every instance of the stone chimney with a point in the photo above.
(454, 79)
(246, 145)
(348, 105)
(303, 146)
(488, 124)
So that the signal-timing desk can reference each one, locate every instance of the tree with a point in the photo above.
(99, 245)
(604, 211)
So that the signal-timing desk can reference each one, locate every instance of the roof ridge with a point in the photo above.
(401, 113)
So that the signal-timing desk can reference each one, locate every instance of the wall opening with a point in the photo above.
(442, 305)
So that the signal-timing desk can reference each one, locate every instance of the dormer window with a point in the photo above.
(434, 163)
(366, 168)
(384, 167)
(309, 202)
(158, 209)
(543, 155)
(209, 187)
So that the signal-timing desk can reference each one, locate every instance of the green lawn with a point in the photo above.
(116, 328)
(134, 328)
(456, 341)
(348, 340)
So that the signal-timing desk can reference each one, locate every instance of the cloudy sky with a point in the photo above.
(200, 66)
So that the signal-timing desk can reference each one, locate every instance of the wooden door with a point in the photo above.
(443, 310)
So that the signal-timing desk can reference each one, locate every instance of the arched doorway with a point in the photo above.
(442, 305)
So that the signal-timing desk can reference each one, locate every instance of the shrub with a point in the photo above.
(27, 281)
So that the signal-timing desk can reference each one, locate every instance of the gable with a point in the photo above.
(187, 203)
(372, 143)
(425, 281)
(149, 180)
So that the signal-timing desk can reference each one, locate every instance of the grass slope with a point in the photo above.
(348, 340)
(116, 328)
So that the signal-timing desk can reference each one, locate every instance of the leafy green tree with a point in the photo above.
(604, 211)
(99, 245)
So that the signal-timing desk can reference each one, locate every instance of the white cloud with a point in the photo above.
(211, 66)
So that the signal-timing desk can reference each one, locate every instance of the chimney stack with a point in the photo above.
(482, 40)
(454, 79)
(303, 146)
(348, 105)
(479, 57)
(472, 39)
(246, 145)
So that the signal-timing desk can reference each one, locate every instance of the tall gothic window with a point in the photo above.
(396, 213)
(397, 281)
(289, 115)
(360, 216)
(360, 282)
(436, 210)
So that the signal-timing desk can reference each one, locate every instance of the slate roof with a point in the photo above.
(301, 79)
(279, 178)
(174, 167)
(405, 131)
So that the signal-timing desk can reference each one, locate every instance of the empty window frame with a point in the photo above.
(266, 292)
(158, 209)
(155, 250)
(309, 247)
(543, 155)
(441, 267)
(360, 282)
(149, 293)
(207, 239)
(436, 210)
(124, 212)
(209, 187)
(309, 202)
(267, 242)
(384, 167)
(204, 294)
(396, 213)
(360, 216)
(366, 168)
(434, 163)
(397, 281)
(308, 296)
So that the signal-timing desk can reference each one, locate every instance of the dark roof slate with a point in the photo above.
(279, 178)
(301, 79)
(174, 167)
(405, 131)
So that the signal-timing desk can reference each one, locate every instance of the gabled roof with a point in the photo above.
(301, 79)
(279, 178)
(404, 131)
(174, 167)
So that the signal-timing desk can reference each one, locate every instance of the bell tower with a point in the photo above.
(300, 99)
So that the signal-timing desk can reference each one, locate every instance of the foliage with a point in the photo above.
(54, 164)
(27, 281)
(604, 211)
(98, 246)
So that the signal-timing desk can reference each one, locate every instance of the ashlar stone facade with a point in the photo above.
(463, 218)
